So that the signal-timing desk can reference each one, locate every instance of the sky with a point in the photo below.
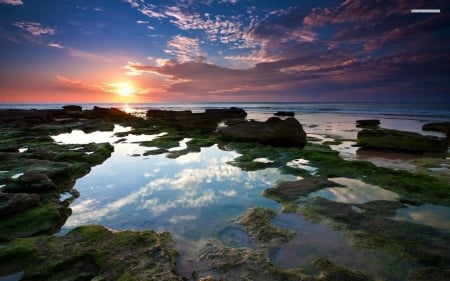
(224, 51)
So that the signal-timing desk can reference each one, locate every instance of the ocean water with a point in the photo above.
(427, 111)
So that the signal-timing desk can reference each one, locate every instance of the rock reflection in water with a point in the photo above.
(428, 214)
(354, 192)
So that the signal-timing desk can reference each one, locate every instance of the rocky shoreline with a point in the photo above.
(35, 172)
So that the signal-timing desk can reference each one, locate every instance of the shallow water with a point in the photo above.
(318, 240)
(196, 195)
(427, 214)
(354, 192)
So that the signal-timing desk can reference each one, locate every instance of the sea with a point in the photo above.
(416, 110)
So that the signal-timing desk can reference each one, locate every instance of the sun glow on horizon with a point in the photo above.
(125, 89)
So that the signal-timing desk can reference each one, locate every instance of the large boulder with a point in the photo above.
(204, 122)
(72, 108)
(185, 120)
(284, 113)
(400, 141)
(32, 182)
(443, 127)
(224, 114)
(16, 202)
(367, 123)
(274, 132)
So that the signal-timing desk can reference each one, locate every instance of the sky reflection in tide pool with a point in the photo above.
(428, 214)
(191, 196)
(354, 192)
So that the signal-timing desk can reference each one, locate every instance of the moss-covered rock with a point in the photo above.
(92, 253)
(370, 226)
(400, 140)
(257, 222)
(46, 218)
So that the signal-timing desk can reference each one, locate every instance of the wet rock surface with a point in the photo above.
(443, 127)
(257, 221)
(204, 122)
(93, 253)
(274, 132)
(370, 226)
(400, 141)
(17, 202)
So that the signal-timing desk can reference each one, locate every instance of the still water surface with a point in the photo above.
(197, 195)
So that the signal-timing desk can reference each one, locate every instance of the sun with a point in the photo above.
(125, 89)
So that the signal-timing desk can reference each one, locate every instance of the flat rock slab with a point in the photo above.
(274, 131)
(400, 141)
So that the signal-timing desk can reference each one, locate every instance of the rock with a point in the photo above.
(185, 120)
(292, 190)
(443, 127)
(257, 222)
(367, 123)
(93, 253)
(22, 117)
(16, 202)
(168, 115)
(224, 114)
(400, 141)
(108, 112)
(32, 182)
(284, 113)
(204, 122)
(331, 271)
(429, 274)
(72, 108)
(274, 132)
(45, 218)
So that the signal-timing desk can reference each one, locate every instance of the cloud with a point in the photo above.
(35, 28)
(12, 2)
(89, 56)
(113, 88)
(184, 48)
(55, 45)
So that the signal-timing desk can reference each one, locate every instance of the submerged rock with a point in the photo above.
(257, 221)
(292, 190)
(274, 132)
(400, 140)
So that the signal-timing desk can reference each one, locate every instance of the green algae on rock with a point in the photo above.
(253, 264)
(369, 225)
(257, 222)
(92, 252)
(400, 140)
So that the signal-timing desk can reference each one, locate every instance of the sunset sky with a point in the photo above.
(223, 50)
